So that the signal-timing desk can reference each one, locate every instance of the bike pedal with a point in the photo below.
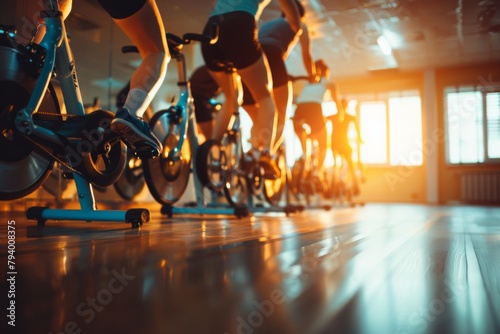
(145, 153)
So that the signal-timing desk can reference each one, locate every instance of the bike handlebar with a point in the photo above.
(187, 38)
(212, 38)
(130, 49)
(299, 77)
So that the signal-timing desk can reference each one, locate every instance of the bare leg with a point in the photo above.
(283, 100)
(230, 85)
(301, 134)
(258, 80)
(146, 31)
(321, 138)
(252, 111)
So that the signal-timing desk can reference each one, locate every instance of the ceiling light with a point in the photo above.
(384, 45)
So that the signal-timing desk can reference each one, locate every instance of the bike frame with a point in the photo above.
(188, 130)
(188, 122)
(309, 156)
(58, 57)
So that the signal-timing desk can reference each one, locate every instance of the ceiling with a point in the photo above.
(423, 34)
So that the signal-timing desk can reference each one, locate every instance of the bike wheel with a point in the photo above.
(255, 178)
(131, 182)
(273, 189)
(167, 178)
(236, 186)
(211, 165)
(23, 165)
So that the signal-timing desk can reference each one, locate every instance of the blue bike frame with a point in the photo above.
(58, 57)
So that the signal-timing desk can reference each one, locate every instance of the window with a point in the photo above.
(405, 136)
(373, 127)
(473, 125)
(493, 124)
(391, 129)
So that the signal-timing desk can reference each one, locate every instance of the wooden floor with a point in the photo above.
(372, 269)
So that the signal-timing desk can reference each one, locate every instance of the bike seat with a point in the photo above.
(175, 43)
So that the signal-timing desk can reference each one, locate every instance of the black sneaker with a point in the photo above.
(271, 169)
(136, 133)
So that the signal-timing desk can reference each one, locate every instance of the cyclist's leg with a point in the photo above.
(299, 118)
(258, 80)
(282, 88)
(145, 29)
(318, 133)
(248, 103)
(230, 84)
(140, 20)
(283, 99)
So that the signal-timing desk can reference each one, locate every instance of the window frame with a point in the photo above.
(384, 97)
(468, 88)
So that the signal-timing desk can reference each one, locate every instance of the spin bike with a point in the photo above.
(344, 187)
(35, 134)
(306, 182)
(167, 177)
(224, 163)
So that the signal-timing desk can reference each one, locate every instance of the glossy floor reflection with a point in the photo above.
(373, 269)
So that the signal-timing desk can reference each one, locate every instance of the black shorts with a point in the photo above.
(274, 56)
(311, 114)
(237, 43)
(279, 73)
(119, 9)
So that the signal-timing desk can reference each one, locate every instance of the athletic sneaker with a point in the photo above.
(271, 169)
(136, 133)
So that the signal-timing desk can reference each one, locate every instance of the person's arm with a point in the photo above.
(305, 45)
(292, 15)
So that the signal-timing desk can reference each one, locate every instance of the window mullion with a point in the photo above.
(485, 126)
(388, 132)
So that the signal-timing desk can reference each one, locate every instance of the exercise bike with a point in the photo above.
(35, 134)
(344, 187)
(167, 177)
(242, 175)
(307, 184)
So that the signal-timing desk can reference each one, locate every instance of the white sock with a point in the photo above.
(137, 101)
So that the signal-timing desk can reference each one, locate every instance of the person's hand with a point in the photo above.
(314, 78)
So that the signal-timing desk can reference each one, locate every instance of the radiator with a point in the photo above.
(481, 188)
